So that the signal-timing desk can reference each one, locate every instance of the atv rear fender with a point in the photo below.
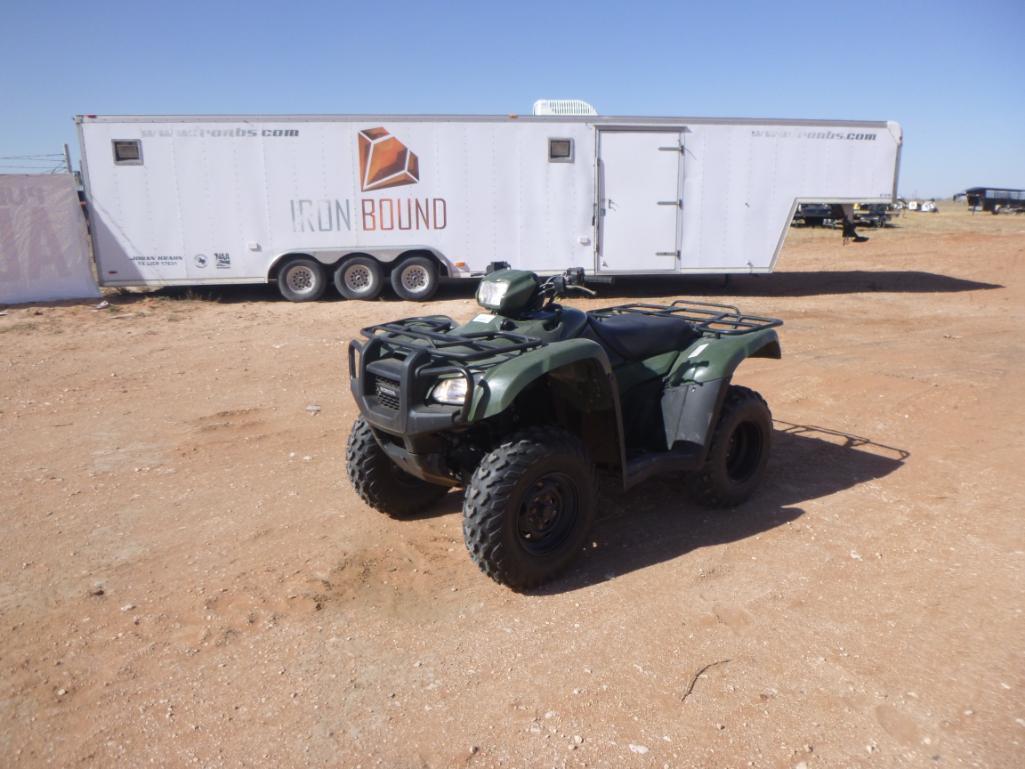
(697, 383)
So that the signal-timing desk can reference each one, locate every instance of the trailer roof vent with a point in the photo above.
(563, 107)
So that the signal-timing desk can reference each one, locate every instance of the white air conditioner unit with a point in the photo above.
(563, 107)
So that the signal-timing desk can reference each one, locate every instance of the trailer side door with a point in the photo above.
(639, 200)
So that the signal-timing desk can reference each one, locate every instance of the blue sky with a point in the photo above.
(950, 72)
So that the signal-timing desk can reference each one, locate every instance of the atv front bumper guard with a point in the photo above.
(392, 373)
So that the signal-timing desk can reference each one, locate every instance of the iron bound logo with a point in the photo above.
(384, 161)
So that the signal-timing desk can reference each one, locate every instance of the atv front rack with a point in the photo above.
(716, 319)
(401, 361)
(434, 333)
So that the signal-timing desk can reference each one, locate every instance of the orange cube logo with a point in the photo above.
(384, 161)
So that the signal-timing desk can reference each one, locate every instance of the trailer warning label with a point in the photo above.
(157, 260)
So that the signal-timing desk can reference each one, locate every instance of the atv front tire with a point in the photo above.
(529, 507)
(738, 453)
(381, 483)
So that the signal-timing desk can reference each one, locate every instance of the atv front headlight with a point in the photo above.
(491, 293)
(451, 391)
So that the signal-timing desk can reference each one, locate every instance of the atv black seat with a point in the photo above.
(637, 336)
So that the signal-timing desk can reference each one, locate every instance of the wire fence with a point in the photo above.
(41, 163)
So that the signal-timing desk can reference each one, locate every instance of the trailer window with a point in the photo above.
(127, 152)
(560, 150)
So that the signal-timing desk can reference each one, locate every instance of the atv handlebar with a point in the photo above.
(563, 285)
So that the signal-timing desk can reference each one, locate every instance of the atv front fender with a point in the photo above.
(503, 383)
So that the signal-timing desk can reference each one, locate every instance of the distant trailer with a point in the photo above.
(405, 199)
(996, 200)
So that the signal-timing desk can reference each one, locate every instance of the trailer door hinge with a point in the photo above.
(678, 203)
(668, 253)
(674, 148)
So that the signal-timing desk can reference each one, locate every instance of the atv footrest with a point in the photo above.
(683, 458)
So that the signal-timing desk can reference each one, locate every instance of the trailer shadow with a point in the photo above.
(783, 284)
(777, 284)
(652, 523)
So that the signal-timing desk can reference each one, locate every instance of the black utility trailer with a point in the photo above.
(996, 200)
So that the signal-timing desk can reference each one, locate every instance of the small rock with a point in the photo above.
(61, 692)
(809, 749)
(969, 712)
(550, 714)
(534, 728)
(578, 740)
(855, 555)
(313, 409)
(637, 748)
(474, 749)
(102, 305)
(97, 589)
(720, 727)
(128, 607)
(307, 458)
(801, 765)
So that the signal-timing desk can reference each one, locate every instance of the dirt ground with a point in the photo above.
(189, 580)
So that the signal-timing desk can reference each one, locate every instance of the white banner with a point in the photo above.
(44, 248)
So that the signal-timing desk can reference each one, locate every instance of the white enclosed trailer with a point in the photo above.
(302, 200)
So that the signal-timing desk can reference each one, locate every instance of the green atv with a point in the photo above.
(524, 403)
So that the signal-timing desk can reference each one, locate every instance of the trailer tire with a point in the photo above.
(529, 507)
(359, 277)
(738, 453)
(415, 278)
(302, 279)
(381, 483)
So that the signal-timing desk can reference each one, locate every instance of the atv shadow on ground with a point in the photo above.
(654, 522)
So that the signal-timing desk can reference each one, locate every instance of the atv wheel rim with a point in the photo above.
(301, 279)
(415, 278)
(358, 278)
(547, 513)
(744, 451)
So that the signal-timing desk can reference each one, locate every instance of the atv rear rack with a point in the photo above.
(717, 319)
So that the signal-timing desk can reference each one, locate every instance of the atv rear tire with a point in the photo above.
(529, 507)
(381, 483)
(739, 451)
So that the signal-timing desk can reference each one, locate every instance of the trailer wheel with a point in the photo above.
(360, 277)
(415, 278)
(302, 280)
